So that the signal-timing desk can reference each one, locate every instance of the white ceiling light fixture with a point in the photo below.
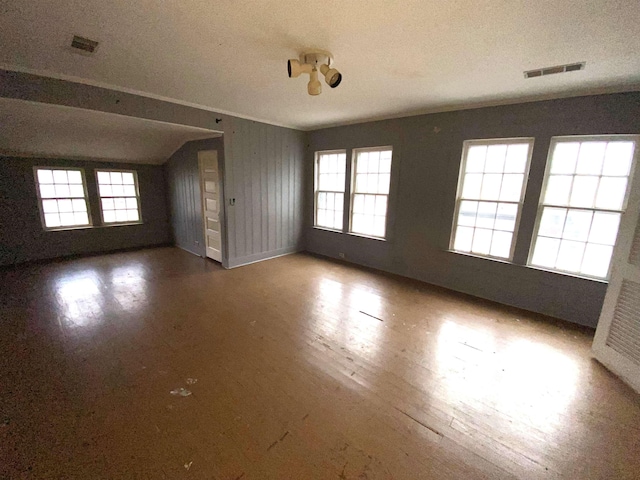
(310, 61)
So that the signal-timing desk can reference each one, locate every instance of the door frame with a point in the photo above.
(222, 216)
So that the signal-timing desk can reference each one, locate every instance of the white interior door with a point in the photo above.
(617, 341)
(210, 188)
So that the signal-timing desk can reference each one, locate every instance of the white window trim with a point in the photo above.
(541, 204)
(316, 173)
(86, 198)
(352, 192)
(463, 164)
(100, 197)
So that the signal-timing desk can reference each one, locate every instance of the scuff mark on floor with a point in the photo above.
(278, 441)
(420, 423)
(372, 316)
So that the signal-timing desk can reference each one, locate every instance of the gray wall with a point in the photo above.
(22, 237)
(183, 186)
(426, 162)
(264, 174)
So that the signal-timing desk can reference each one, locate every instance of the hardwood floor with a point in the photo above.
(298, 368)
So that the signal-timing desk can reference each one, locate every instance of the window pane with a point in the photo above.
(107, 204)
(65, 206)
(495, 158)
(383, 186)
(552, 222)
(50, 206)
(374, 162)
(322, 200)
(604, 228)
(570, 255)
(564, 159)
(506, 217)
(611, 192)
(109, 216)
(491, 186)
(467, 214)
(127, 178)
(104, 178)
(464, 237)
(590, 158)
(517, 156)
(472, 186)
(106, 191)
(577, 225)
(381, 205)
(358, 203)
(116, 178)
(617, 159)
(62, 190)
(60, 176)
(583, 193)
(132, 215)
(546, 252)
(369, 204)
(81, 218)
(47, 191)
(74, 177)
(51, 220)
(67, 219)
(481, 241)
(45, 176)
(337, 221)
(130, 190)
(121, 215)
(79, 205)
(486, 214)
(475, 158)
(511, 187)
(378, 226)
(501, 244)
(331, 199)
(558, 189)
(118, 190)
(596, 260)
(362, 165)
(385, 164)
(120, 203)
(342, 160)
(76, 191)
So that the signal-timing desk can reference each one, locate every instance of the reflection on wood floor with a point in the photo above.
(159, 364)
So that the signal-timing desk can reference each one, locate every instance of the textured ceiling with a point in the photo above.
(39, 129)
(397, 57)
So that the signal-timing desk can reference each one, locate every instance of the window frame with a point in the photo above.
(520, 203)
(547, 173)
(40, 199)
(352, 191)
(100, 197)
(316, 184)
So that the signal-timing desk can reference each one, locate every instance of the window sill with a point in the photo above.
(532, 267)
(326, 229)
(361, 235)
(482, 257)
(120, 224)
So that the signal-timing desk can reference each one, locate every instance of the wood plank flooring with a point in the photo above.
(297, 368)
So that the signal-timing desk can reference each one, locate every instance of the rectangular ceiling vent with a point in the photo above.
(85, 45)
(541, 72)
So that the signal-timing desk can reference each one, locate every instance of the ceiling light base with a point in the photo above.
(316, 57)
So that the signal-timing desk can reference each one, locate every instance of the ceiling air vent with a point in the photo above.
(84, 44)
(541, 72)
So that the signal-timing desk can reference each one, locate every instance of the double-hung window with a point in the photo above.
(62, 195)
(119, 197)
(370, 191)
(584, 194)
(329, 189)
(491, 190)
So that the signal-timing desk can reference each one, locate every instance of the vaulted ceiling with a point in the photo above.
(397, 58)
(43, 130)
